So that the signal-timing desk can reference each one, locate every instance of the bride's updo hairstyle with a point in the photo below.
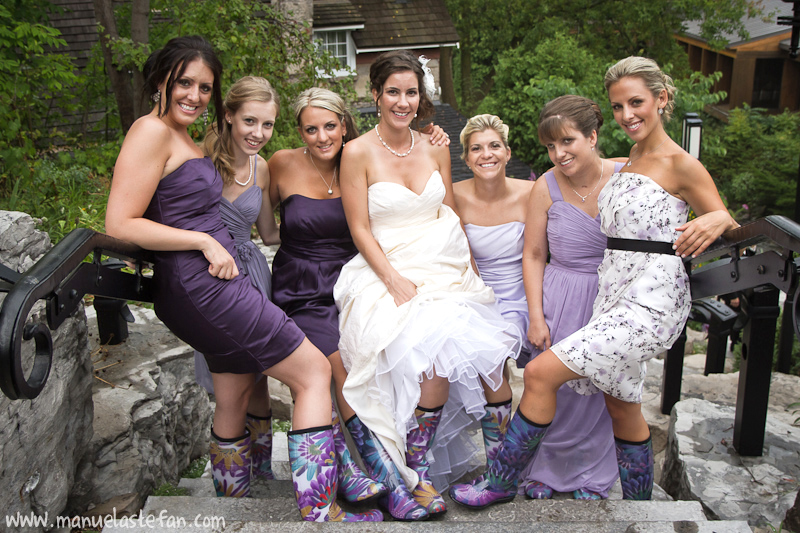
(647, 70)
(568, 111)
(480, 123)
(400, 61)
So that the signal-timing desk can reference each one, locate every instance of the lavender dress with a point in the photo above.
(232, 323)
(239, 216)
(579, 449)
(315, 244)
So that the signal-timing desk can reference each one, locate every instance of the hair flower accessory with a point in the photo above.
(427, 78)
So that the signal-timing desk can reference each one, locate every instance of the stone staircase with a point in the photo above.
(272, 508)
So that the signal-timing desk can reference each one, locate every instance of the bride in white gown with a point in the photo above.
(421, 337)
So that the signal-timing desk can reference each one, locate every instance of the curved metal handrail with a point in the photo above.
(62, 278)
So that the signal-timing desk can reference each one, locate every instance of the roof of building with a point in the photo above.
(336, 13)
(390, 24)
(78, 27)
(453, 122)
(756, 27)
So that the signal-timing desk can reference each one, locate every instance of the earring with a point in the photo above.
(229, 121)
(660, 110)
(592, 148)
(415, 115)
(379, 111)
(343, 143)
(156, 96)
(205, 117)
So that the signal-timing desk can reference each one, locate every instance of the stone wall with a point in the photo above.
(42, 440)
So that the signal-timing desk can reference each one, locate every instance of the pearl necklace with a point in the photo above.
(582, 197)
(630, 161)
(333, 180)
(390, 148)
(251, 173)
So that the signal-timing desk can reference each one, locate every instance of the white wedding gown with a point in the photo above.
(452, 326)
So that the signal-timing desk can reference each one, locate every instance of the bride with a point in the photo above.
(421, 336)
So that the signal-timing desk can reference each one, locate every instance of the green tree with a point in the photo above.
(757, 169)
(33, 83)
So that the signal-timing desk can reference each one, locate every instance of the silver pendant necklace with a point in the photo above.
(333, 180)
(630, 161)
(251, 173)
(582, 197)
(390, 148)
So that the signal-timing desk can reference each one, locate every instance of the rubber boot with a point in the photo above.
(261, 449)
(419, 440)
(536, 490)
(354, 485)
(312, 459)
(635, 460)
(230, 465)
(399, 502)
(493, 426)
(499, 483)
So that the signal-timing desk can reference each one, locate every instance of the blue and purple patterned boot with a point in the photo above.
(354, 485)
(230, 465)
(586, 494)
(499, 483)
(635, 460)
(419, 441)
(260, 429)
(399, 502)
(536, 490)
(493, 426)
(312, 459)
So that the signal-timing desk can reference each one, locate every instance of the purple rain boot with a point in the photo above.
(354, 485)
(635, 460)
(494, 424)
(399, 502)
(419, 441)
(499, 483)
(586, 494)
(312, 459)
(260, 429)
(230, 465)
(536, 490)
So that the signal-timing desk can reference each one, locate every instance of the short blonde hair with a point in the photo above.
(482, 123)
(648, 71)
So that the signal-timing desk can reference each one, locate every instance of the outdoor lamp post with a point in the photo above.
(692, 134)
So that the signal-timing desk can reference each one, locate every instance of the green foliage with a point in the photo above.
(196, 468)
(29, 71)
(282, 426)
(167, 489)
(64, 193)
(757, 169)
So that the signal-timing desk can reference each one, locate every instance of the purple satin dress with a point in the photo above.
(231, 322)
(239, 216)
(315, 244)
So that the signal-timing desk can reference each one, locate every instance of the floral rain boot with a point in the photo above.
(586, 494)
(419, 441)
(493, 426)
(230, 465)
(536, 490)
(399, 502)
(499, 483)
(635, 460)
(260, 429)
(312, 459)
(354, 485)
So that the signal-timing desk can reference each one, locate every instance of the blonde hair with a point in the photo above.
(218, 145)
(648, 71)
(568, 111)
(326, 99)
(482, 123)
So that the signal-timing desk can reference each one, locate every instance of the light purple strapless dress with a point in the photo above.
(579, 449)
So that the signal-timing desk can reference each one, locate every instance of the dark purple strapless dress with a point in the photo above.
(231, 322)
(315, 244)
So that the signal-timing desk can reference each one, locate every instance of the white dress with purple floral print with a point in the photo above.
(643, 299)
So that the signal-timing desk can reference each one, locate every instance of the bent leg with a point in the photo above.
(260, 404)
(307, 373)
(339, 377)
(543, 376)
(232, 393)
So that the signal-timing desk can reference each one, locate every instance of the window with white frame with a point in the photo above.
(340, 45)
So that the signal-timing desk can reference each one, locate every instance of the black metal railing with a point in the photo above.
(61, 278)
